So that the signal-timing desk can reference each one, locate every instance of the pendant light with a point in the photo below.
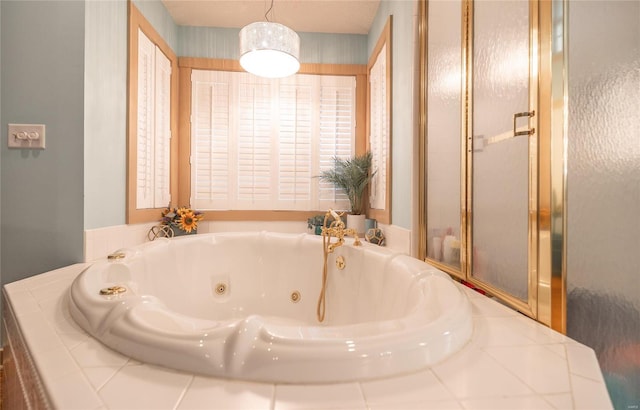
(269, 49)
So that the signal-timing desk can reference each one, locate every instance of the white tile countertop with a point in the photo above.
(511, 362)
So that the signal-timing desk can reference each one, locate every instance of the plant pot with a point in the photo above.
(177, 231)
(356, 222)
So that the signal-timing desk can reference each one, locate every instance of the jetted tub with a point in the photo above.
(243, 306)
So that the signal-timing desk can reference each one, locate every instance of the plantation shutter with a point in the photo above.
(337, 132)
(254, 143)
(154, 125)
(146, 123)
(379, 137)
(258, 143)
(162, 140)
(211, 171)
(295, 142)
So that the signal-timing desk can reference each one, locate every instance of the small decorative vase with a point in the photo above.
(375, 236)
(356, 222)
(318, 229)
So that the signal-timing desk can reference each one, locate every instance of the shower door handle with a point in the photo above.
(523, 114)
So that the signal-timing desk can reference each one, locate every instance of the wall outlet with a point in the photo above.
(29, 136)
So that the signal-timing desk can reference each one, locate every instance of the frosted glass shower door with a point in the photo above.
(444, 99)
(503, 145)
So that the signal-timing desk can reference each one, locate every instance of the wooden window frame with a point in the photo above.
(382, 215)
(187, 64)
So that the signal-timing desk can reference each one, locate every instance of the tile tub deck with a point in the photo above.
(511, 362)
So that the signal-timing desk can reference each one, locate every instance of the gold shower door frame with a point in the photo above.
(528, 306)
(547, 151)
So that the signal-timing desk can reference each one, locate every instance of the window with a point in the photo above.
(379, 126)
(152, 151)
(379, 136)
(153, 123)
(258, 144)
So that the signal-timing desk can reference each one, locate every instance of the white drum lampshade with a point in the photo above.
(269, 50)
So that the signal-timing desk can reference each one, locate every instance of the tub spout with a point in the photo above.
(336, 229)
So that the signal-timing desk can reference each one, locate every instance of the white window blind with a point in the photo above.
(337, 113)
(259, 143)
(210, 130)
(162, 140)
(295, 141)
(379, 130)
(254, 147)
(154, 126)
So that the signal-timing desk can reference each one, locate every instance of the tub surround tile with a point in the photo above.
(542, 370)
(397, 238)
(24, 303)
(511, 362)
(326, 396)
(508, 403)
(136, 234)
(498, 331)
(421, 405)
(100, 242)
(92, 353)
(560, 401)
(583, 362)
(414, 388)
(558, 349)
(212, 394)
(115, 239)
(72, 339)
(540, 334)
(145, 387)
(42, 279)
(56, 363)
(57, 315)
(49, 290)
(90, 247)
(38, 334)
(589, 394)
(473, 373)
(20, 286)
(73, 391)
(99, 376)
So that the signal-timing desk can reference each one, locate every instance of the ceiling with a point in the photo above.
(319, 16)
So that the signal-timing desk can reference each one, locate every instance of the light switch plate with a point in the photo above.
(26, 136)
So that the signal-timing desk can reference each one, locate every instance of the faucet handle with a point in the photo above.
(335, 215)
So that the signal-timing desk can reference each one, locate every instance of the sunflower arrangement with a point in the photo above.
(183, 218)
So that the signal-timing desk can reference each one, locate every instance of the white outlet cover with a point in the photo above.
(26, 136)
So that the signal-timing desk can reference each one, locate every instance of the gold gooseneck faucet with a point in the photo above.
(336, 229)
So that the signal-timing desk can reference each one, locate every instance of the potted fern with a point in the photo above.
(316, 222)
(352, 175)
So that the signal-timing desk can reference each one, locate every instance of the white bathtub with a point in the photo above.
(386, 313)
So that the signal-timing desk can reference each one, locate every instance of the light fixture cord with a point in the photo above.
(266, 15)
